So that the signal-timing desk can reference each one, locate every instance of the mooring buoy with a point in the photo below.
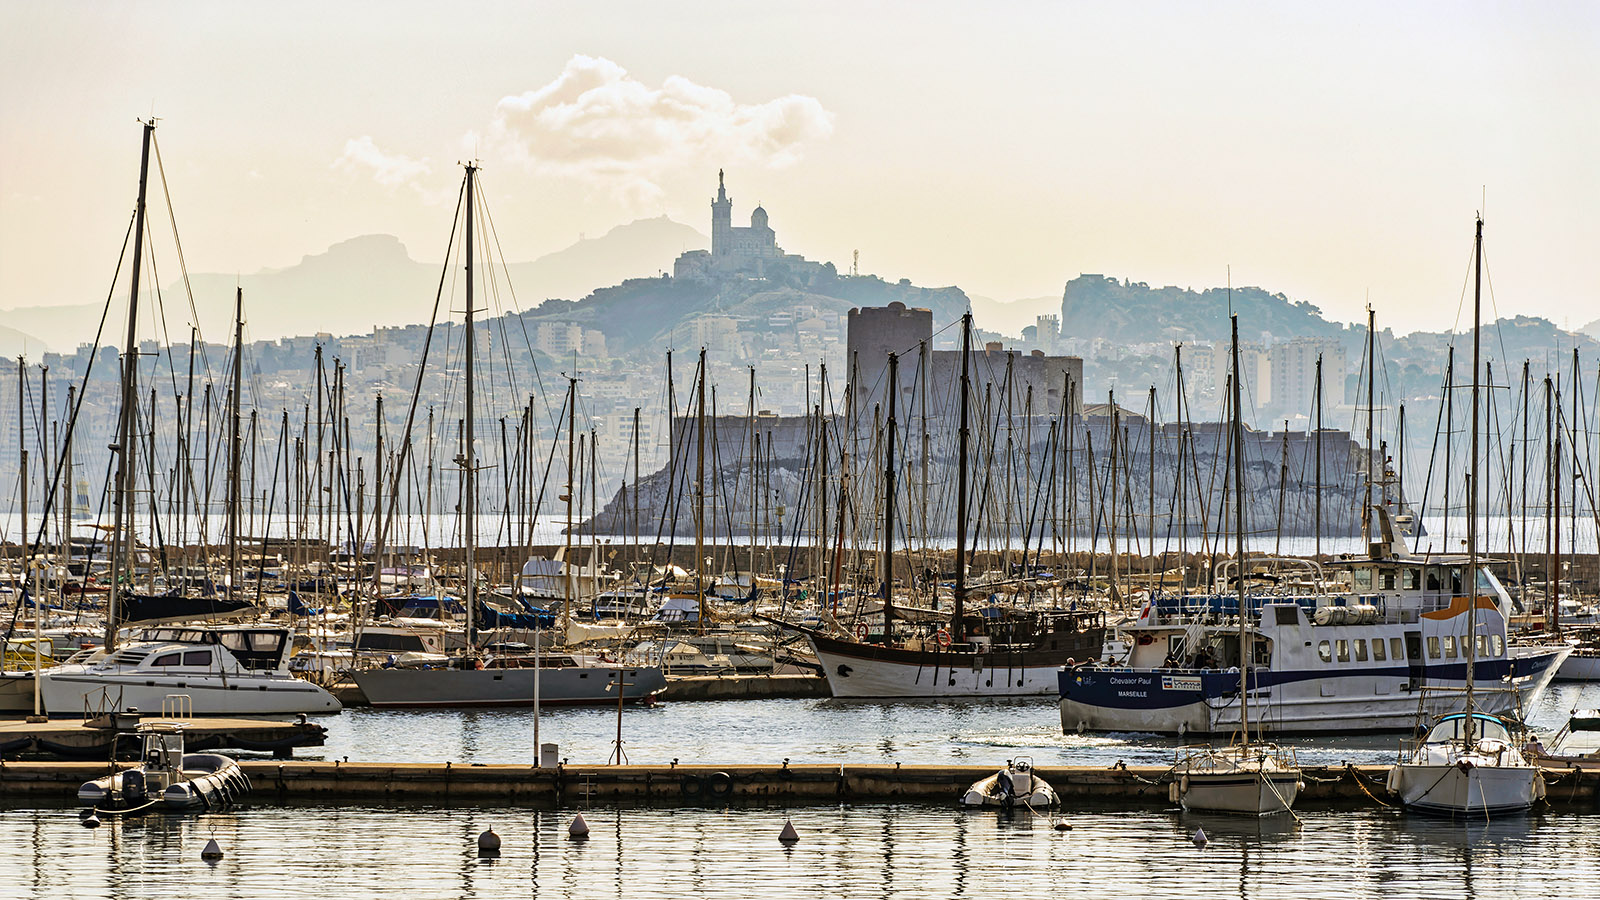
(788, 835)
(579, 828)
(212, 850)
(1199, 837)
(91, 820)
(489, 843)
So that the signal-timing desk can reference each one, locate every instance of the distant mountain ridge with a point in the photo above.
(367, 281)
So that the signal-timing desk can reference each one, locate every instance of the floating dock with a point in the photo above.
(689, 687)
(433, 783)
(92, 740)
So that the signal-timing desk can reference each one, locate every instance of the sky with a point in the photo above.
(1334, 152)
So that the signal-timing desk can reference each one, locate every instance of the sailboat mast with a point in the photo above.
(233, 439)
(1372, 377)
(1472, 478)
(468, 456)
(1245, 650)
(961, 482)
(122, 504)
(700, 489)
(893, 398)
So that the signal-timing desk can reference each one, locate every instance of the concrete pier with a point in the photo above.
(688, 687)
(432, 783)
(77, 739)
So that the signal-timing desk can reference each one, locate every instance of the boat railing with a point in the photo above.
(177, 706)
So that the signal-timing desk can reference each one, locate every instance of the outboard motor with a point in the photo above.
(133, 786)
(1022, 779)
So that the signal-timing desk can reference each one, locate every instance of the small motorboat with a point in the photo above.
(1016, 783)
(166, 776)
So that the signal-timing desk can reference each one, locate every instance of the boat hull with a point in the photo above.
(1474, 791)
(1582, 665)
(1291, 702)
(861, 670)
(466, 688)
(70, 690)
(210, 780)
(1247, 793)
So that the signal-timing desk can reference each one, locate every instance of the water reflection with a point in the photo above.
(844, 851)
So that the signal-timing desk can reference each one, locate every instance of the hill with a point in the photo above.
(1126, 312)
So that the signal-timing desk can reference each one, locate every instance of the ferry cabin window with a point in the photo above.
(1388, 581)
(1325, 651)
(1449, 646)
(1433, 646)
(1433, 579)
(197, 658)
(1499, 644)
(1363, 581)
(169, 659)
(1483, 645)
(1411, 580)
(1455, 581)
(1377, 649)
(1344, 650)
(1361, 650)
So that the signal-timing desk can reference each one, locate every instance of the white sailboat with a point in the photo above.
(1468, 764)
(1245, 778)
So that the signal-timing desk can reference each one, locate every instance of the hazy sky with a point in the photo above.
(1323, 150)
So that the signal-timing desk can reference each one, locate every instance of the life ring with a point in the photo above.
(720, 783)
(1146, 640)
(861, 632)
(943, 637)
(691, 785)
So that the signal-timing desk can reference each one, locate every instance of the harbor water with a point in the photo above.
(899, 851)
(965, 732)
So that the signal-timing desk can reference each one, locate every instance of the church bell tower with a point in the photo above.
(721, 221)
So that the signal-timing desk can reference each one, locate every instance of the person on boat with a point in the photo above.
(1533, 747)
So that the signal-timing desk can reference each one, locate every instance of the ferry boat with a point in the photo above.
(1370, 658)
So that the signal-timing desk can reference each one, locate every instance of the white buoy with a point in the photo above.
(579, 828)
(489, 843)
(91, 820)
(212, 850)
(788, 835)
(1199, 837)
(1061, 825)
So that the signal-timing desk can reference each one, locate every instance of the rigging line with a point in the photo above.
(72, 422)
(422, 368)
(522, 321)
(183, 266)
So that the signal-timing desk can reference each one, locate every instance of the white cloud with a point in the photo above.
(388, 169)
(597, 123)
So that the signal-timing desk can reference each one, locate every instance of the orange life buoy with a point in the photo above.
(943, 637)
(861, 632)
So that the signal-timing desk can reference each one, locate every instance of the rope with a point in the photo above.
(1357, 773)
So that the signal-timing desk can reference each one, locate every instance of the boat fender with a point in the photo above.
(1392, 783)
(1172, 792)
(720, 783)
(1538, 787)
(1183, 785)
(691, 785)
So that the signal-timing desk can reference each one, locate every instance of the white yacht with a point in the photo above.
(1468, 765)
(239, 670)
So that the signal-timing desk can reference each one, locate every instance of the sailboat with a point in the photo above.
(1468, 764)
(474, 680)
(1245, 778)
(1017, 657)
